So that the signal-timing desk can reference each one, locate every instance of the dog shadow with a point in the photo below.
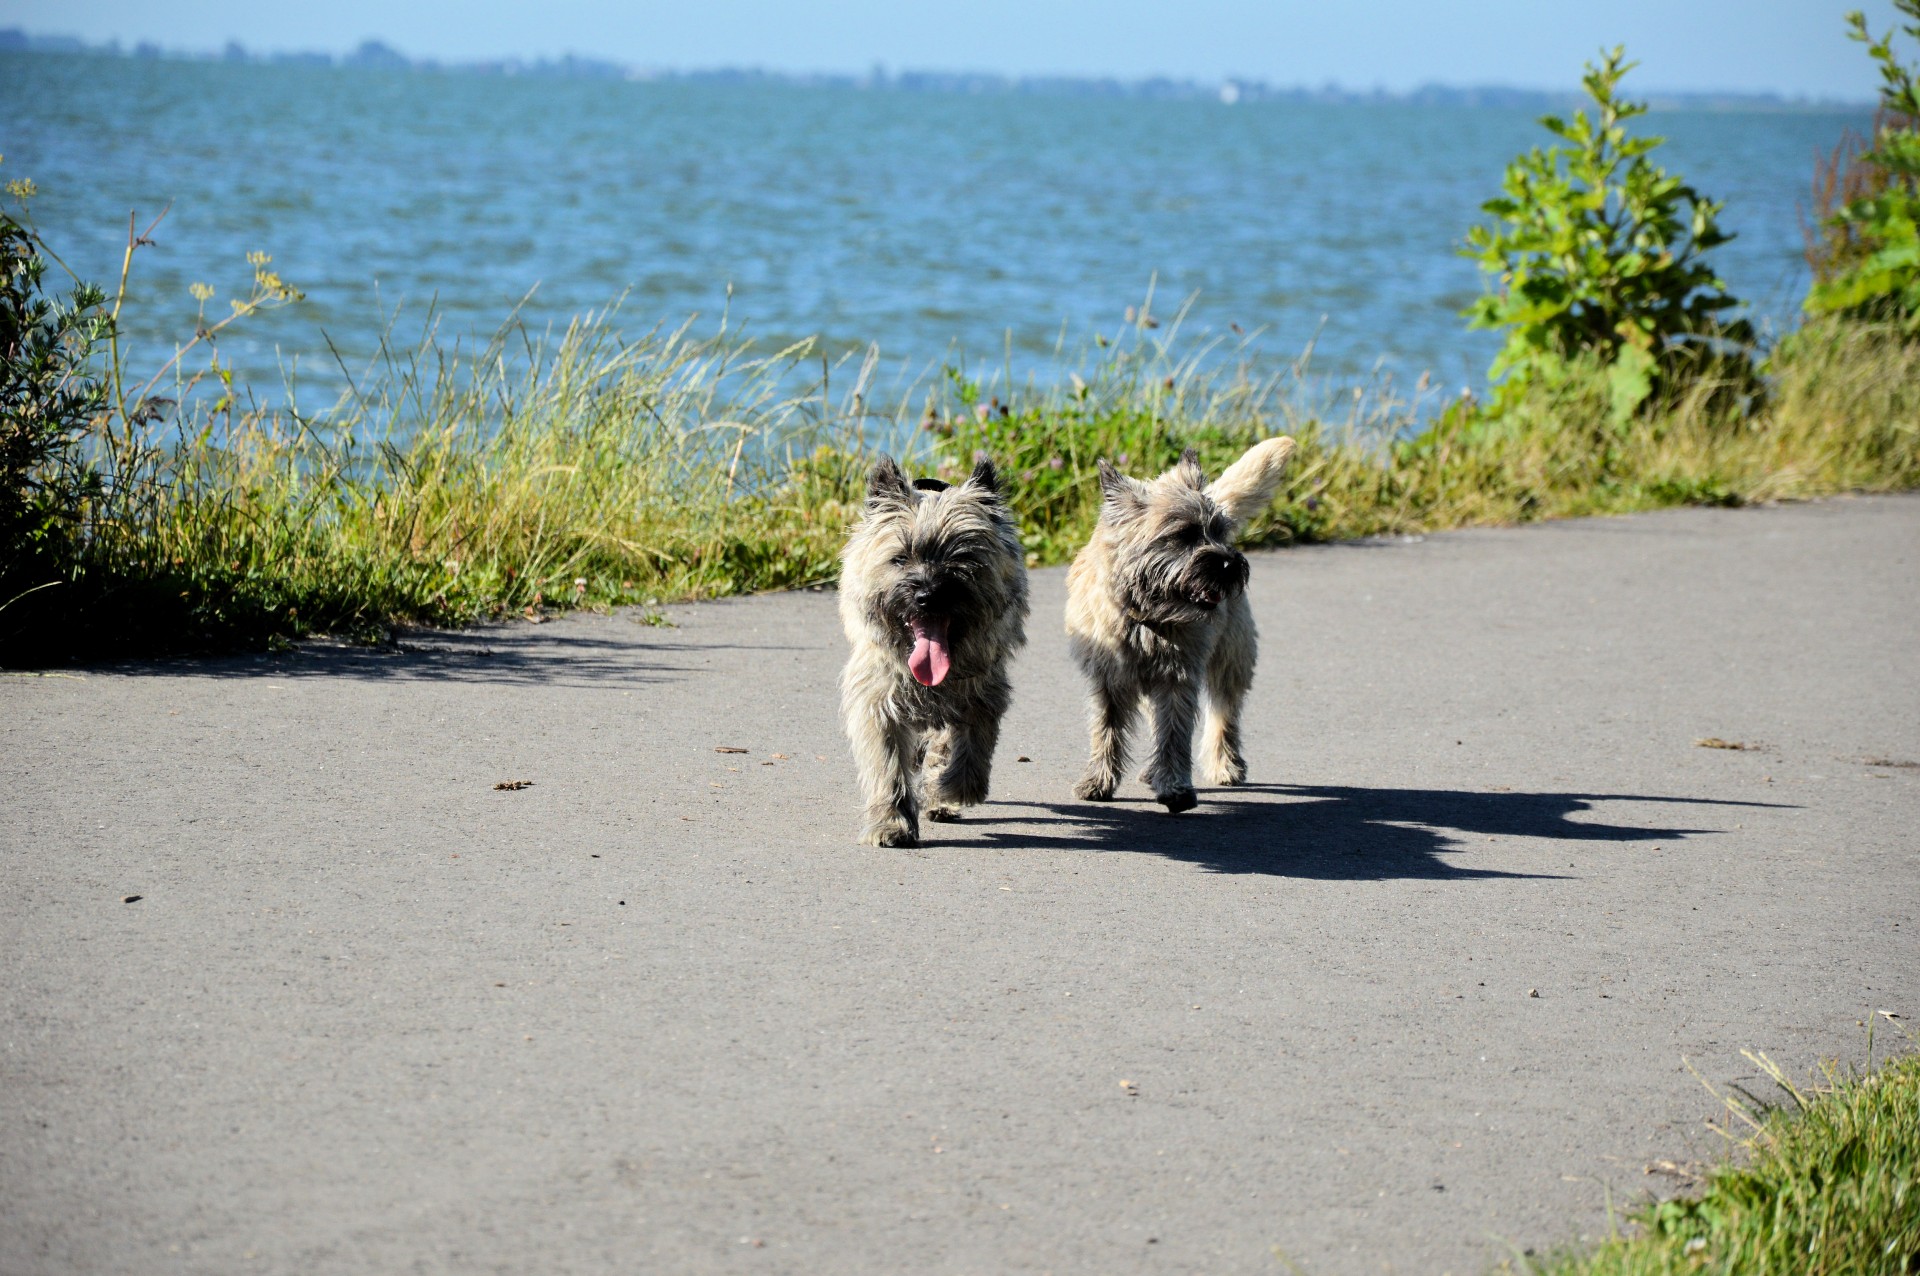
(1335, 832)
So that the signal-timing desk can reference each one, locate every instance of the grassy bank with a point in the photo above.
(528, 476)
(1841, 413)
(453, 485)
(1828, 1185)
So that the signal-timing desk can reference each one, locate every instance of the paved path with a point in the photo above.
(657, 1013)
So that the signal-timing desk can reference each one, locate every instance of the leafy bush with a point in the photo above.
(1867, 262)
(49, 399)
(1600, 260)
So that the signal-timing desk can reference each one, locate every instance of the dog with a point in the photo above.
(1157, 610)
(933, 597)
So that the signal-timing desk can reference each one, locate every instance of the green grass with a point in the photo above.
(1828, 1184)
(585, 469)
(455, 485)
(1843, 415)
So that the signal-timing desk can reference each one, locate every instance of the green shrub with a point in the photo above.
(1600, 261)
(50, 397)
(1867, 262)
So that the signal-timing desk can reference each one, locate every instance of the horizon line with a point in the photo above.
(376, 54)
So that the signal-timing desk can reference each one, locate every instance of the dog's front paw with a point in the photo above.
(893, 833)
(944, 814)
(1177, 800)
(1094, 789)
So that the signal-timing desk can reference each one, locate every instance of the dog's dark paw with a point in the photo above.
(1093, 791)
(1177, 801)
(944, 814)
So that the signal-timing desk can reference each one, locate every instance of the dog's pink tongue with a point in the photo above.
(928, 663)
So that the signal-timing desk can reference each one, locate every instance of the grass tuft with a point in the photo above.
(1829, 1185)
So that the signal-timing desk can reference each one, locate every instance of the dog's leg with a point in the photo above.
(884, 753)
(1146, 714)
(1110, 710)
(893, 805)
(936, 746)
(1229, 676)
(943, 744)
(1171, 774)
(966, 758)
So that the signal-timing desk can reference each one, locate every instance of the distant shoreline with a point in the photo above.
(379, 56)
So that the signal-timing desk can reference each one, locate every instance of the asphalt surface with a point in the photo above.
(657, 1012)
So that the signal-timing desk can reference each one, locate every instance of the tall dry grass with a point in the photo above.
(525, 475)
(1837, 410)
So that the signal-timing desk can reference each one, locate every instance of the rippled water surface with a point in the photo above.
(935, 225)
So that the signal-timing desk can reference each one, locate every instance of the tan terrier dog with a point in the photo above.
(933, 596)
(1157, 609)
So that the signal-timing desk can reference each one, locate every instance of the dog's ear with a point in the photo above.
(985, 477)
(1124, 498)
(1187, 470)
(1247, 487)
(888, 485)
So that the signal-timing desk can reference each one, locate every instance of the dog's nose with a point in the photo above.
(1230, 567)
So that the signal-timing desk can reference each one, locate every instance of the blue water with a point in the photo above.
(939, 226)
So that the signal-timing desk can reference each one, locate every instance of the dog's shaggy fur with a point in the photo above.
(1157, 609)
(933, 596)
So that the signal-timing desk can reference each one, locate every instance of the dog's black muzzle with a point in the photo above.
(1216, 576)
(928, 594)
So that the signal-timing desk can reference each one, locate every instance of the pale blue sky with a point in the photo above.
(1785, 46)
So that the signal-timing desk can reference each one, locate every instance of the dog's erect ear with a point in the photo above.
(1247, 487)
(888, 485)
(1124, 497)
(985, 477)
(1187, 470)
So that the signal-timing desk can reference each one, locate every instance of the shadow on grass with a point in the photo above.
(1333, 832)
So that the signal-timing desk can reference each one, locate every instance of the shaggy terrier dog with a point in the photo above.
(933, 596)
(1157, 609)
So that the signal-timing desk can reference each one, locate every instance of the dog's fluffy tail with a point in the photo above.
(1247, 486)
